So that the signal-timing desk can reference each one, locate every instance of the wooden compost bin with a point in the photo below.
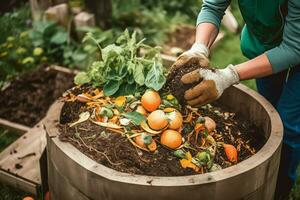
(72, 175)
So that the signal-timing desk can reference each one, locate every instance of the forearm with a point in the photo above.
(206, 34)
(254, 68)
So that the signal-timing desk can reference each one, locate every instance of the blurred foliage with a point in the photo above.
(152, 23)
(44, 43)
(188, 8)
(13, 23)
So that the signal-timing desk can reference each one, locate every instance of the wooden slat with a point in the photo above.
(24, 152)
(18, 182)
(14, 127)
(62, 69)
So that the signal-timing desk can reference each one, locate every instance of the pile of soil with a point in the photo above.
(115, 151)
(27, 99)
(183, 37)
(174, 84)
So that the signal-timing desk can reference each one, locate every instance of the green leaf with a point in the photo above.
(155, 78)
(81, 78)
(126, 89)
(138, 74)
(179, 153)
(59, 38)
(111, 87)
(136, 117)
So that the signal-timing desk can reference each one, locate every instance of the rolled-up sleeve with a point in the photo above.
(212, 11)
(287, 54)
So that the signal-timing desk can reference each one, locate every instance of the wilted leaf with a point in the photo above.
(82, 117)
(107, 124)
(119, 101)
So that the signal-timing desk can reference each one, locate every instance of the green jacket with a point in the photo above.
(272, 27)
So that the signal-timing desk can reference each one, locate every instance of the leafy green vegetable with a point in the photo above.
(179, 153)
(155, 78)
(111, 87)
(136, 117)
(81, 78)
(121, 70)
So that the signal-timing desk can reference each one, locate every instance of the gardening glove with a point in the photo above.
(197, 54)
(212, 84)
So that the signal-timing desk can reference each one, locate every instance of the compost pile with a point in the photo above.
(28, 97)
(130, 124)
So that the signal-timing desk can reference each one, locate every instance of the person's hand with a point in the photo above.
(198, 55)
(212, 84)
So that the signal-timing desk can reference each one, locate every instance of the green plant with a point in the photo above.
(121, 70)
(13, 23)
(44, 43)
(136, 16)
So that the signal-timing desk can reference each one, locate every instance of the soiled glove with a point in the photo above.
(197, 54)
(212, 84)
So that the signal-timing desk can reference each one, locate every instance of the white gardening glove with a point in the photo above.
(198, 55)
(198, 49)
(212, 84)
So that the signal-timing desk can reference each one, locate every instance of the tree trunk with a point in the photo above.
(102, 9)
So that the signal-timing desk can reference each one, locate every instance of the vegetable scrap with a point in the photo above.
(185, 131)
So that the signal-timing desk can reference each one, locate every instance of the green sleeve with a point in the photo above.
(287, 54)
(213, 11)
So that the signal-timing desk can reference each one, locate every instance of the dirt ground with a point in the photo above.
(28, 97)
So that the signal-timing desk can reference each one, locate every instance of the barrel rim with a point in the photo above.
(269, 148)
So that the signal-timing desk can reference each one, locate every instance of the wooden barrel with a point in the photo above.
(72, 175)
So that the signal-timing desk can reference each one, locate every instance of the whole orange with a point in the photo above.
(175, 120)
(171, 139)
(150, 100)
(157, 120)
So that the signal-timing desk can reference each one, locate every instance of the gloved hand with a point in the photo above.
(213, 83)
(197, 54)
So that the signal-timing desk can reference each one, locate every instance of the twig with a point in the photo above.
(115, 130)
(92, 148)
(75, 141)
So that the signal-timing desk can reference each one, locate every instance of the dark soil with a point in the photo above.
(115, 151)
(174, 84)
(183, 37)
(28, 97)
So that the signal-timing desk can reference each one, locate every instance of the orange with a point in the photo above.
(139, 141)
(28, 198)
(150, 100)
(171, 139)
(157, 120)
(152, 146)
(210, 124)
(47, 196)
(231, 152)
(175, 120)
(141, 110)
